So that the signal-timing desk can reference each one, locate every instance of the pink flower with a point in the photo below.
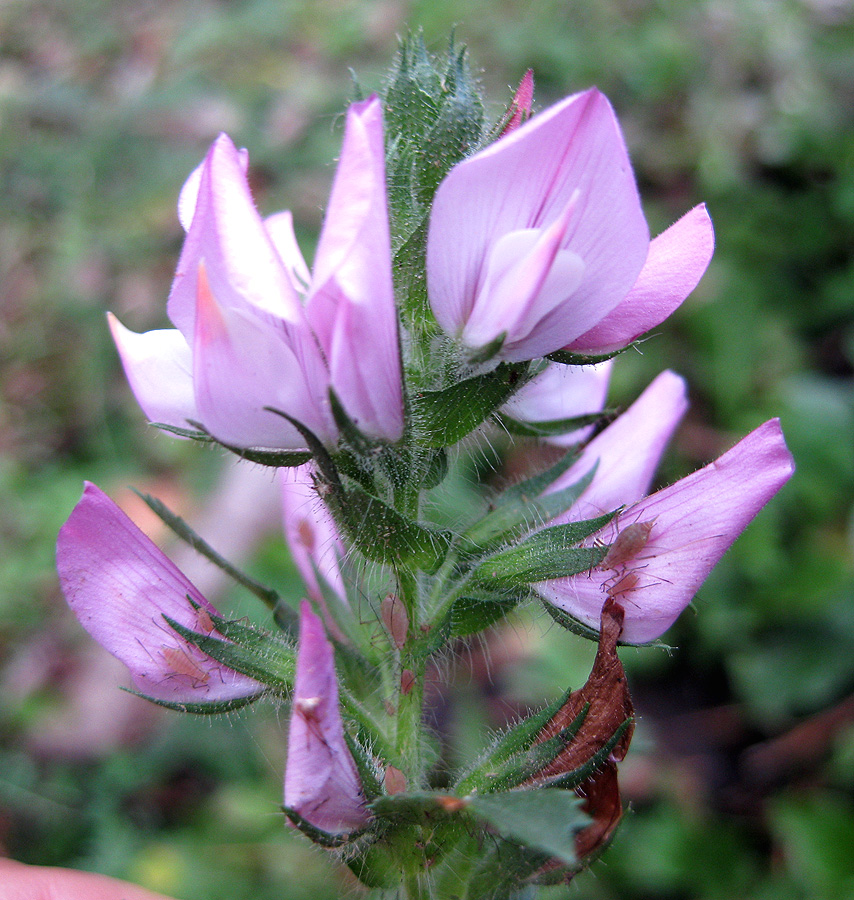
(321, 781)
(664, 546)
(120, 586)
(255, 329)
(541, 236)
(562, 392)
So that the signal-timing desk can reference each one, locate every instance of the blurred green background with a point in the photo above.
(741, 778)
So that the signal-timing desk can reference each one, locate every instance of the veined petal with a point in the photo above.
(243, 267)
(351, 304)
(280, 227)
(525, 180)
(677, 259)
(311, 534)
(120, 585)
(628, 450)
(688, 526)
(562, 392)
(242, 364)
(159, 368)
(321, 781)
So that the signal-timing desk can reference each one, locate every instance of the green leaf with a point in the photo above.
(546, 819)
(551, 427)
(518, 511)
(257, 654)
(382, 533)
(548, 554)
(442, 418)
(475, 612)
(514, 741)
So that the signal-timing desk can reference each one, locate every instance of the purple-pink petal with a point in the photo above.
(562, 392)
(628, 451)
(688, 526)
(677, 259)
(243, 363)
(120, 586)
(351, 304)
(159, 368)
(312, 537)
(227, 233)
(321, 781)
(526, 180)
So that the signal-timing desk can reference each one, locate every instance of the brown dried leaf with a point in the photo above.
(609, 705)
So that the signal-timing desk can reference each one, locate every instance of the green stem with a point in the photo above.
(410, 687)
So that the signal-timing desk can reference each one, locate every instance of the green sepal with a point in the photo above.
(275, 458)
(365, 766)
(253, 652)
(564, 357)
(442, 418)
(350, 435)
(317, 451)
(190, 433)
(318, 835)
(518, 511)
(550, 553)
(515, 740)
(569, 623)
(200, 545)
(544, 820)
(481, 355)
(201, 709)
(383, 534)
(551, 427)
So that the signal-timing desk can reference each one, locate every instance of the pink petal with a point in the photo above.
(311, 534)
(351, 305)
(159, 366)
(242, 364)
(120, 585)
(189, 195)
(693, 523)
(677, 259)
(528, 276)
(628, 450)
(321, 781)
(243, 267)
(525, 180)
(562, 392)
(280, 227)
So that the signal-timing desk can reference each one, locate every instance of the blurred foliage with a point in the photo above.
(740, 778)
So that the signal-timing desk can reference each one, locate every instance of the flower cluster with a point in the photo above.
(535, 255)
